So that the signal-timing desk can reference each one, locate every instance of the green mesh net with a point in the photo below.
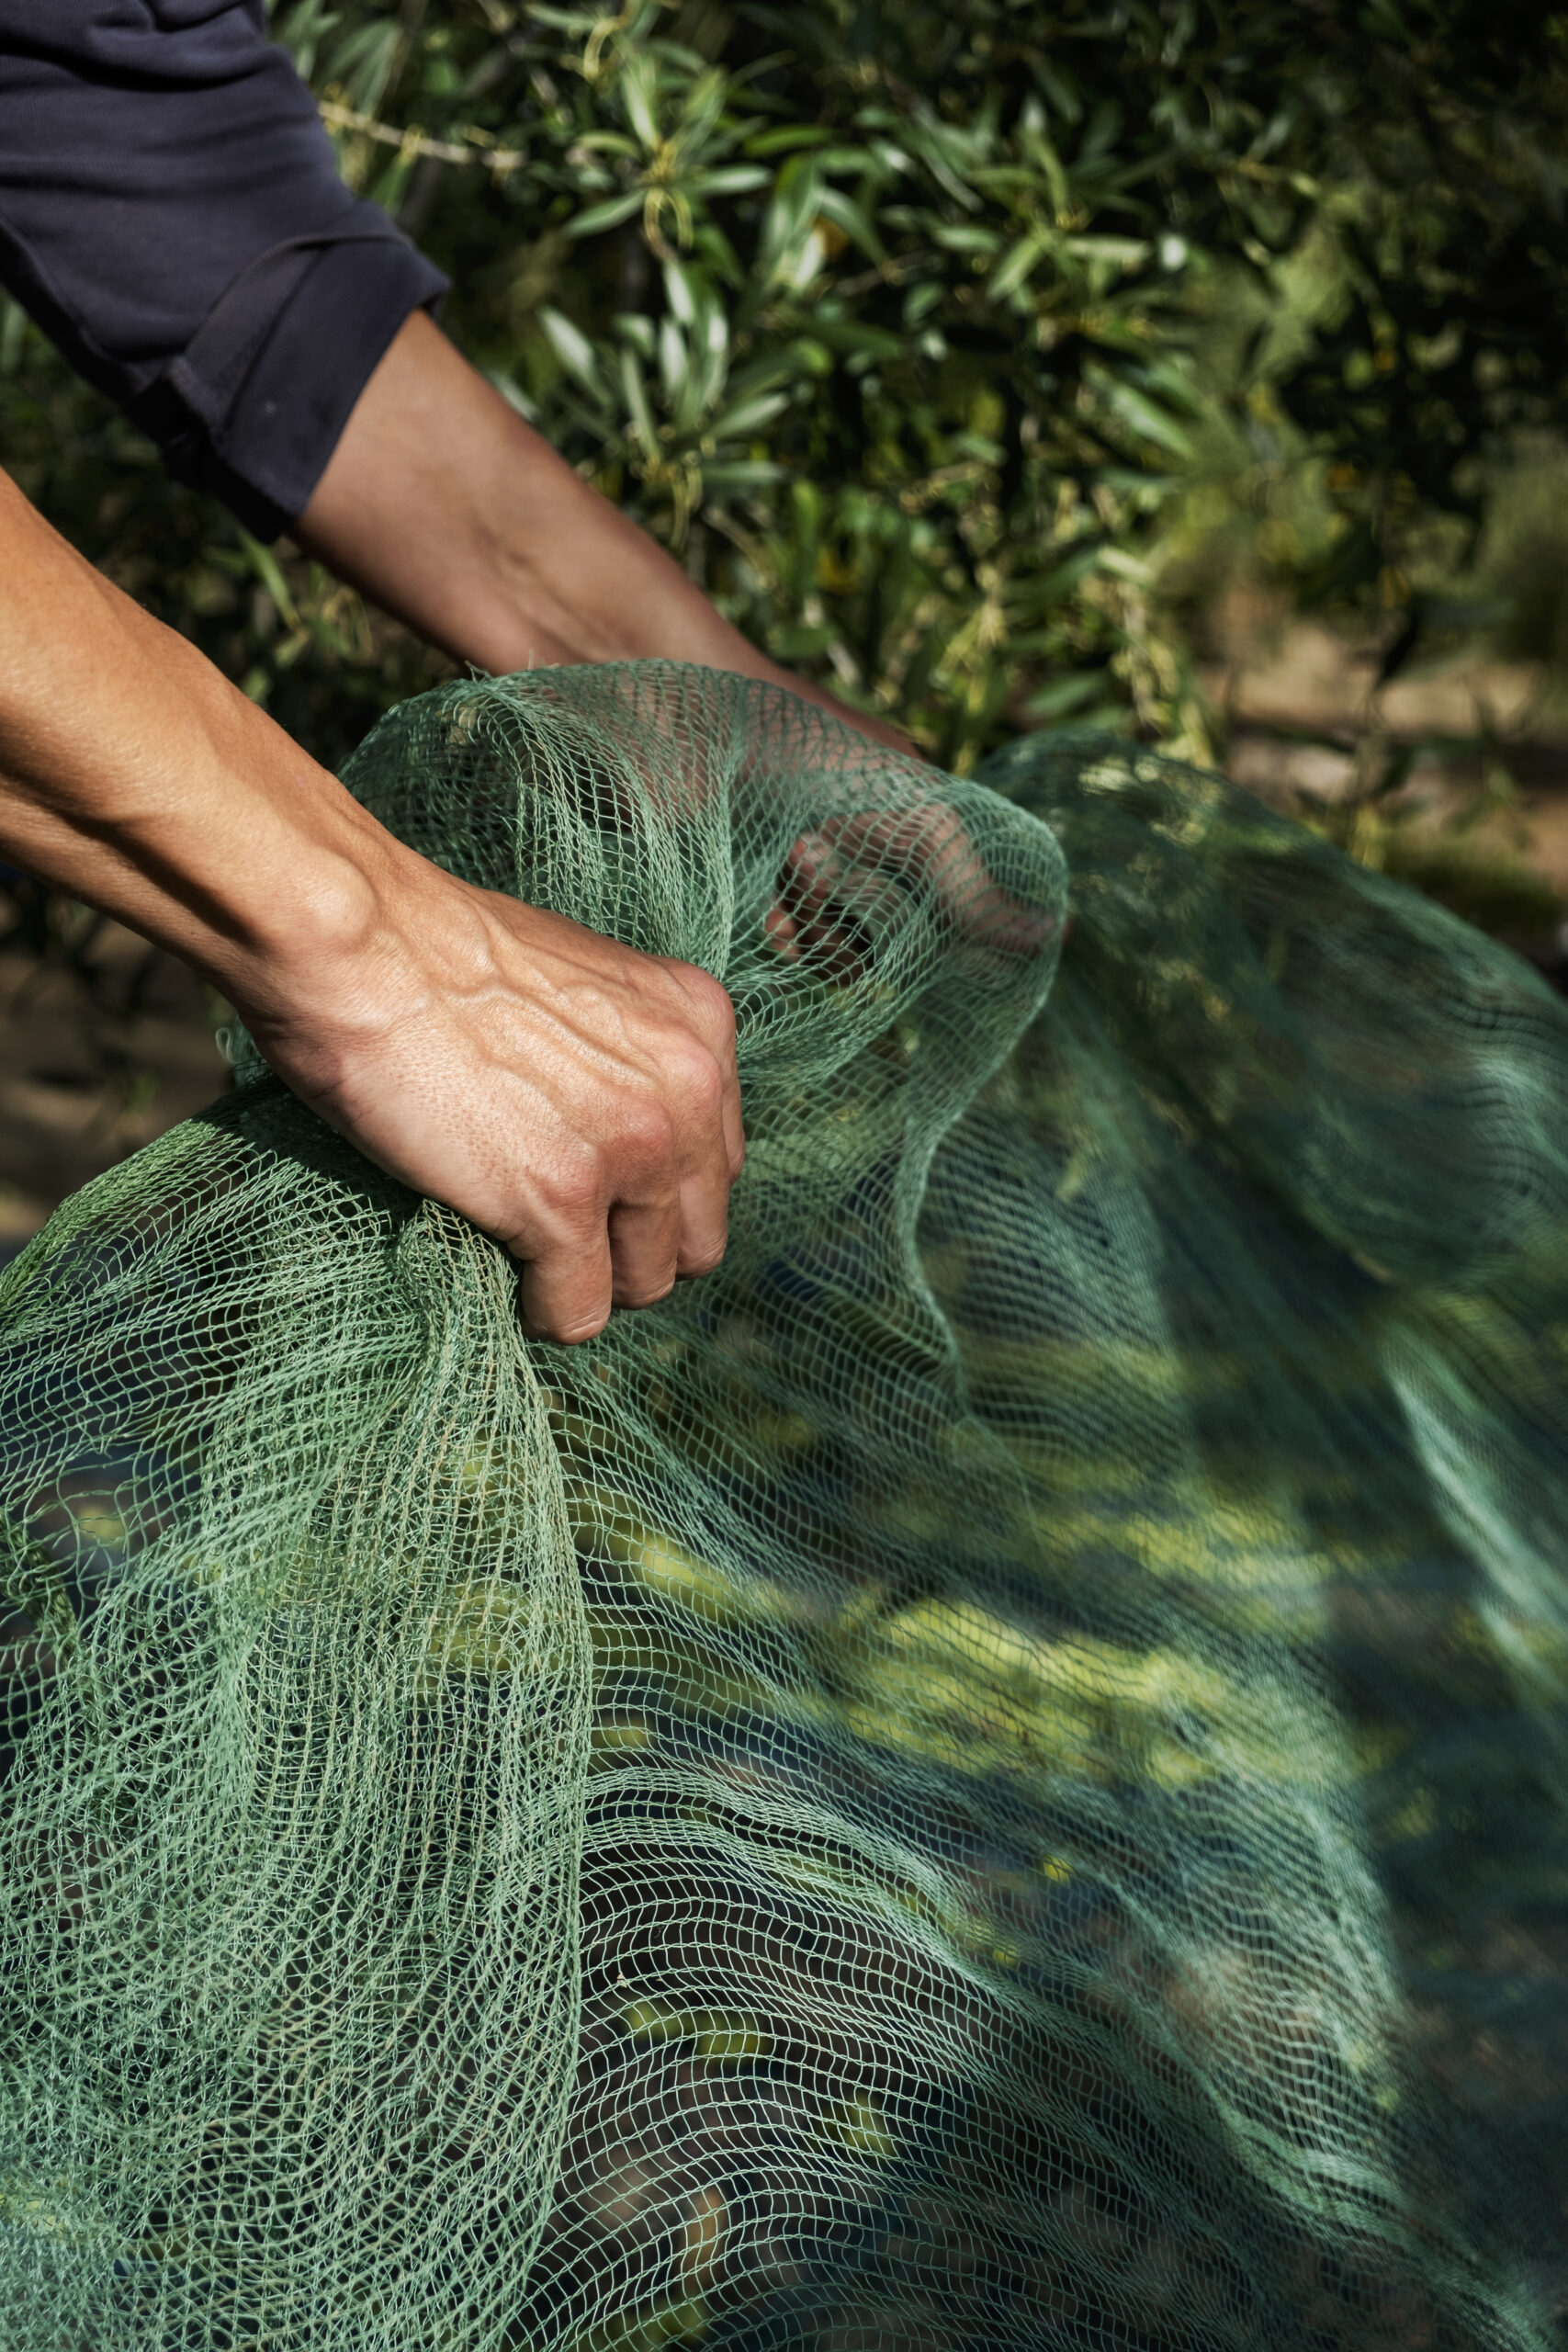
(989, 1775)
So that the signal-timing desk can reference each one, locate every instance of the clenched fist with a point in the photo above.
(574, 1098)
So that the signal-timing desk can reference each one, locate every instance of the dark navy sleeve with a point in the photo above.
(172, 216)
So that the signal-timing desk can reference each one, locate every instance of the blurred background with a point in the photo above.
(1194, 370)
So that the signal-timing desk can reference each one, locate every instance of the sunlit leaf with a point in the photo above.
(1148, 420)
(573, 348)
(637, 89)
(727, 476)
(852, 217)
(608, 215)
(729, 179)
(703, 102)
(635, 394)
(1016, 268)
(1122, 253)
(964, 237)
(784, 138)
(750, 416)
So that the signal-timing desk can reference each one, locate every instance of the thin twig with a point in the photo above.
(413, 144)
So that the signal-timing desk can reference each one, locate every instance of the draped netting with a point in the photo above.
(989, 1775)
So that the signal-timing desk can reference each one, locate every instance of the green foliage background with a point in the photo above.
(958, 347)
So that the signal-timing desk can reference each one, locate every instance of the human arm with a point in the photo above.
(572, 1097)
(451, 513)
(443, 505)
(172, 214)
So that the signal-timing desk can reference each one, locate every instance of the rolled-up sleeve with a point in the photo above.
(172, 216)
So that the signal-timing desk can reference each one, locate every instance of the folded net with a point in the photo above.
(989, 1775)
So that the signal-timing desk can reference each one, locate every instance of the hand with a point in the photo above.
(834, 879)
(572, 1097)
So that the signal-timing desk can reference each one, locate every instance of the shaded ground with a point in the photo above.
(1458, 777)
(104, 1043)
(1455, 777)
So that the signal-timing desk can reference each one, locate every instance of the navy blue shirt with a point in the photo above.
(172, 216)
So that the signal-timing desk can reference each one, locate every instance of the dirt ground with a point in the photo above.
(1308, 721)
(105, 1042)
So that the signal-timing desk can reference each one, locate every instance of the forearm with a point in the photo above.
(575, 1098)
(134, 776)
(451, 513)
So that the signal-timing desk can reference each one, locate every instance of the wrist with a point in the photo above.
(325, 956)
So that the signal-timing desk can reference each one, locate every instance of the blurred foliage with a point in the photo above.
(959, 350)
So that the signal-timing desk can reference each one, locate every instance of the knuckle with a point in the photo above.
(567, 1313)
(645, 1131)
(712, 1002)
(701, 1083)
(574, 1195)
(577, 1330)
(645, 1293)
